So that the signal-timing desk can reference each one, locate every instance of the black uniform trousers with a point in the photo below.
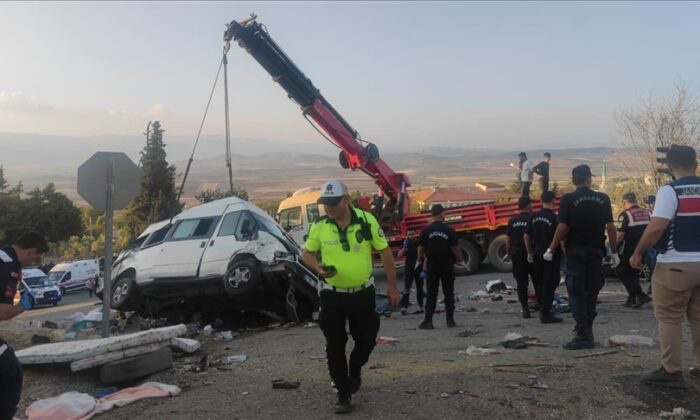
(440, 272)
(629, 276)
(544, 184)
(358, 309)
(411, 275)
(547, 276)
(525, 189)
(10, 381)
(584, 279)
(522, 271)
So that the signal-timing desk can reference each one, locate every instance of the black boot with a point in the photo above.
(451, 321)
(583, 338)
(641, 300)
(427, 324)
(631, 300)
(526, 312)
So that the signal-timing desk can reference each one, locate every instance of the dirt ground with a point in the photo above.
(419, 376)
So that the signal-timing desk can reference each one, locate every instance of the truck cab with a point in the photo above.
(297, 213)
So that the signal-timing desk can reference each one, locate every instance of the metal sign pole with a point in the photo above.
(107, 286)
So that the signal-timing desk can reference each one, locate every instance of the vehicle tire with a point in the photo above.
(136, 367)
(55, 304)
(242, 277)
(472, 258)
(497, 254)
(123, 290)
(63, 291)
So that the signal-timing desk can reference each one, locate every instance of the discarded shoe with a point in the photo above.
(660, 377)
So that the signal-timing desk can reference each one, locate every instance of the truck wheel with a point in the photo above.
(242, 277)
(472, 258)
(122, 291)
(497, 254)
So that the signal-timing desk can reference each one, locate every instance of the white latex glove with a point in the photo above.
(530, 258)
(615, 261)
(548, 255)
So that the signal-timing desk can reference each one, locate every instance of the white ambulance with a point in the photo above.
(69, 277)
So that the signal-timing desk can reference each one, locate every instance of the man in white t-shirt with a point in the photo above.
(675, 229)
(526, 169)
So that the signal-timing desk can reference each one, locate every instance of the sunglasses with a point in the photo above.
(344, 240)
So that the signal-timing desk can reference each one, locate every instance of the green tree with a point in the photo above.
(217, 194)
(3, 181)
(158, 198)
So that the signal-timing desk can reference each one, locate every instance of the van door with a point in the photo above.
(183, 248)
(292, 221)
(236, 230)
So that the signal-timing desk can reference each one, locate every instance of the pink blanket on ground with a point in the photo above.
(77, 406)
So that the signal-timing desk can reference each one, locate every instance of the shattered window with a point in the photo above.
(312, 213)
(290, 218)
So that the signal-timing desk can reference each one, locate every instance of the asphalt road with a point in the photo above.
(72, 302)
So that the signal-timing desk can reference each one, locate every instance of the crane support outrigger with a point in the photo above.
(356, 154)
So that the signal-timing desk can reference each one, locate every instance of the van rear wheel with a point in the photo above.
(122, 292)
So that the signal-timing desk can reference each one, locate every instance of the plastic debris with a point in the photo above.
(76, 317)
(207, 330)
(496, 286)
(40, 339)
(50, 324)
(444, 395)
(496, 298)
(478, 351)
(283, 384)
(71, 335)
(311, 325)
(630, 340)
(386, 340)
(235, 359)
(678, 413)
(478, 295)
(538, 385)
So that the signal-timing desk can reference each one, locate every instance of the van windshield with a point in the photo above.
(38, 282)
(55, 276)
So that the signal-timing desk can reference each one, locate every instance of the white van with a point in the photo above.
(73, 276)
(43, 290)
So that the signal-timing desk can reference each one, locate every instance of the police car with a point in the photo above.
(43, 290)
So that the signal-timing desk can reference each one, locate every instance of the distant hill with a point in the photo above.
(269, 170)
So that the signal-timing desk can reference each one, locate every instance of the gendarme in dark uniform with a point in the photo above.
(584, 217)
(411, 274)
(24, 251)
(515, 247)
(633, 220)
(438, 243)
(540, 232)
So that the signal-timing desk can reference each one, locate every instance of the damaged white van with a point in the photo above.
(220, 256)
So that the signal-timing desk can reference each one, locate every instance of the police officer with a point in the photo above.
(23, 252)
(538, 236)
(542, 169)
(584, 217)
(438, 243)
(412, 271)
(633, 220)
(675, 227)
(515, 247)
(344, 240)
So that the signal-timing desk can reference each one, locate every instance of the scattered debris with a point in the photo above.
(50, 324)
(512, 385)
(317, 357)
(444, 395)
(678, 413)
(207, 330)
(496, 286)
(105, 391)
(377, 366)
(472, 309)
(630, 340)
(78, 405)
(478, 351)
(40, 339)
(468, 333)
(496, 298)
(386, 340)
(203, 364)
(600, 353)
(537, 384)
(629, 353)
(225, 335)
(235, 359)
(311, 325)
(466, 393)
(283, 384)
(186, 345)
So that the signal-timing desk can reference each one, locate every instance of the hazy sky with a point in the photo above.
(492, 75)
